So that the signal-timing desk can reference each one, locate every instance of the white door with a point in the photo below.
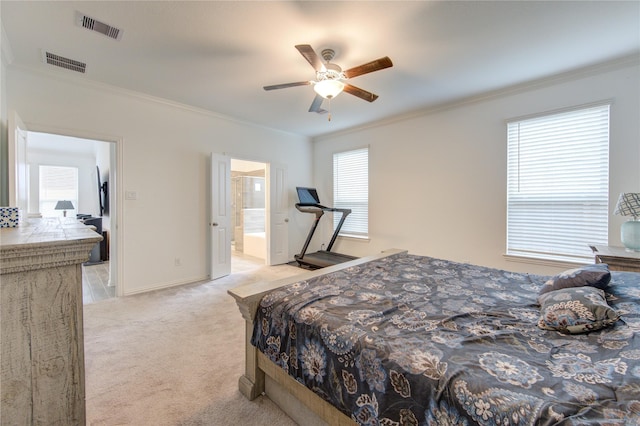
(220, 221)
(18, 170)
(277, 215)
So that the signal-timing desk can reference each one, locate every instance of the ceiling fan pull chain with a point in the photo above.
(329, 115)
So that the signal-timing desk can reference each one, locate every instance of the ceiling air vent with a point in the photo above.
(60, 61)
(97, 26)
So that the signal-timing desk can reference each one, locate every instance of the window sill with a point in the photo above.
(353, 237)
(544, 262)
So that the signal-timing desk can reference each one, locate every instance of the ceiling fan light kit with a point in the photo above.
(330, 79)
(328, 89)
(328, 84)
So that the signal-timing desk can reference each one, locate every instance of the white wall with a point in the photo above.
(437, 181)
(165, 151)
(453, 158)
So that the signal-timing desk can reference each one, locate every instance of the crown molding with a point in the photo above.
(594, 69)
(92, 84)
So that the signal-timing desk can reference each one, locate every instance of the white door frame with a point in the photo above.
(17, 163)
(276, 212)
(116, 263)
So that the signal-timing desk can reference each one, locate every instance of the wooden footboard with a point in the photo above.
(252, 382)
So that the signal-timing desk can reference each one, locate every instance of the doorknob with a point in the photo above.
(286, 220)
(214, 224)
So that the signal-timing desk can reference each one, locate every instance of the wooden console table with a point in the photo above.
(618, 258)
(41, 317)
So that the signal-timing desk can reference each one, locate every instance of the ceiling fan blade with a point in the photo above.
(285, 85)
(310, 55)
(361, 93)
(378, 64)
(316, 105)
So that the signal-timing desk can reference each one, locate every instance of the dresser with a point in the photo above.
(618, 258)
(41, 316)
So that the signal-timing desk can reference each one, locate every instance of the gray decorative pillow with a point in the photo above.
(575, 310)
(596, 275)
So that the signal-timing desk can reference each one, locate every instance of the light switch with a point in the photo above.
(130, 195)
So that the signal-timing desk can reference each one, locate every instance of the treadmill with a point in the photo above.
(310, 203)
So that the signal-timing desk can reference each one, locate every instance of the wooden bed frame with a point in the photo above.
(263, 377)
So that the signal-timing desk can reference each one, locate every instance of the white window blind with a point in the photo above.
(558, 184)
(351, 190)
(57, 183)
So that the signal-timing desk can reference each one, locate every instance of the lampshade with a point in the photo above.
(328, 88)
(64, 205)
(628, 205)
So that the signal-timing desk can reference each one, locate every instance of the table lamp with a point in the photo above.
(64, 205)
(629, 205)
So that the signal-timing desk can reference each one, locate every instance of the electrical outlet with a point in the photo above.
(177, 261)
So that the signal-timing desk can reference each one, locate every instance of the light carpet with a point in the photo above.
(173, 357)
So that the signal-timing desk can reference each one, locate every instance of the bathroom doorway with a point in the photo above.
(248, 220)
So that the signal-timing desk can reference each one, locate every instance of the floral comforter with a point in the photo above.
(411, 340)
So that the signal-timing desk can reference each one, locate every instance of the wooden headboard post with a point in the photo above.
(251, 383)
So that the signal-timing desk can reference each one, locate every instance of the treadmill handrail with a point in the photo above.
(345, 213)
(318, 210)
(311, 208)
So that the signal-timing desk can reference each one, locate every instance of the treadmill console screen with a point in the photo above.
(308, 196)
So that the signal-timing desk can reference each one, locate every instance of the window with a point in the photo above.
(58, 183)
(558, 184)
(351, 190)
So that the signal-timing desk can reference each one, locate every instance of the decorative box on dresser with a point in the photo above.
(42, 362)
(618, 258)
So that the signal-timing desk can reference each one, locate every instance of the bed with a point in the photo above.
(399, 339)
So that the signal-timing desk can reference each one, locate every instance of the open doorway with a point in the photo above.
(81, 171)
(221, 214)
(248, 218)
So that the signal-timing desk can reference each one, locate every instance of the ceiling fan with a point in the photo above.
(330, 79)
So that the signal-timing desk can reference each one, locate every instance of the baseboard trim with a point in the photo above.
(168, 285)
